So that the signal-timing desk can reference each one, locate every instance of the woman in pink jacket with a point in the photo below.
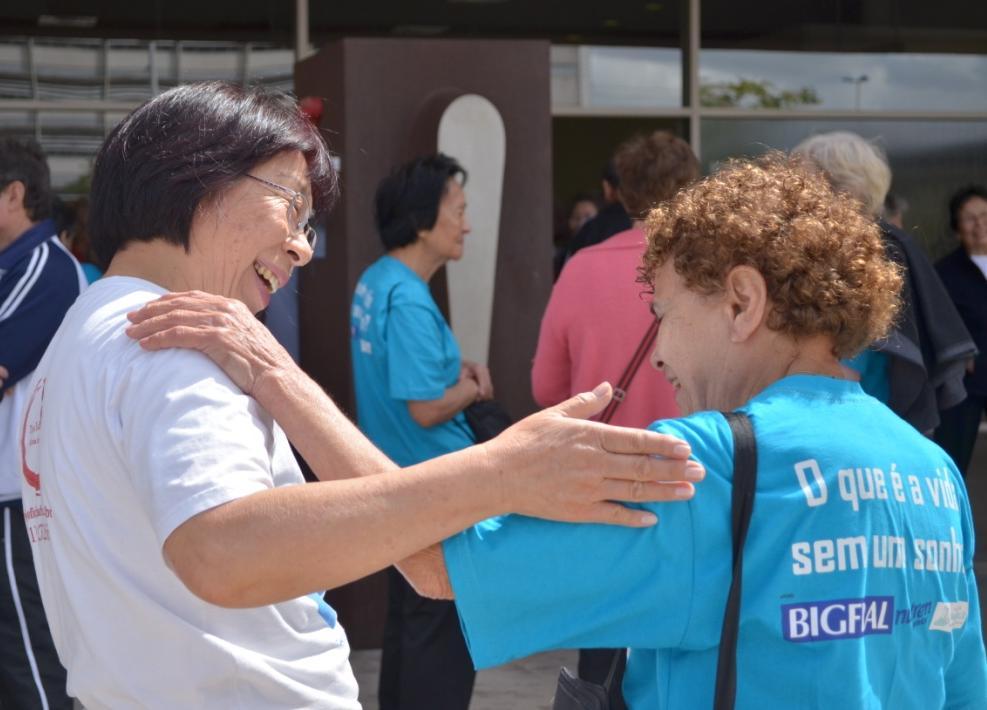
(597, 319)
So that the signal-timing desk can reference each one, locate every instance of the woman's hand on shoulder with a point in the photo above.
(556, 465)
(222, 328)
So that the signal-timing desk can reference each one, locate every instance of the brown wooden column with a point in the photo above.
(383, 100)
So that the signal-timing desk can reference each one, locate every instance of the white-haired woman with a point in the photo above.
(918, 369)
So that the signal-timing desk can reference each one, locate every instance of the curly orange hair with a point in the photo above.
(821, 257)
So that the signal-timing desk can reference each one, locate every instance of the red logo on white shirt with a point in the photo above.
(31, 433)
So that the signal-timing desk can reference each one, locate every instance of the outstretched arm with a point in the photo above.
(280, 543)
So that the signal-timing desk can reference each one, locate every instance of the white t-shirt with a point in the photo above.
(981, 261)
(121, 446)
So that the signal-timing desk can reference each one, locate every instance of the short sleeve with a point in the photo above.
(524, 585)
(192, 439)
(966, 675)
(417, 361)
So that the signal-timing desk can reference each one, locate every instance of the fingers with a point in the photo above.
(629, 467)
(197, 301)
(616, 514)
(647, 491)
(486, 383)
(586, 404)
(179, 336)
(624, 440)
(146, 321)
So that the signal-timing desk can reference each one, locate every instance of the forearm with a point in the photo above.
(329, 442)
(432, 412)
(287, 542)
(426, 572)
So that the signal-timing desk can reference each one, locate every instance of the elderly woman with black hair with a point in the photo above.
(964, 273)
(411, 389)
(179, 563)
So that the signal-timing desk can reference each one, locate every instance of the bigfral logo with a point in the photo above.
(837, 619)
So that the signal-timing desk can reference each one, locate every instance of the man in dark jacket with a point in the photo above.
(611, 219)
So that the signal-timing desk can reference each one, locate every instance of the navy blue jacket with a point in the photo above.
(967, 286)
(39, 280)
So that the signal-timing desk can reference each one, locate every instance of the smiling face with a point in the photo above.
(693, 343)
(444, 241)
(971, 223)
(245, 242)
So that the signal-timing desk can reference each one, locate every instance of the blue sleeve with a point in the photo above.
(33, 300)
(524, 585)
(966, 675)
(416, 355)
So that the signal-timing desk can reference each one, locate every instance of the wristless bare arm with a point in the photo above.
(281, 543)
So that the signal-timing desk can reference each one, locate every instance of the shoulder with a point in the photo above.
(94, 335)
(707, 433)
(46, 269)
(952, 262)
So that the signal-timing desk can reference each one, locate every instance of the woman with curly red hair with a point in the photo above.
(858, 586)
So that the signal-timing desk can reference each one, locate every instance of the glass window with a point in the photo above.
(838, 81)
(205, 61)
(77, 133)
(68, 70)
(129, 68)
(15, 83)
(929, 159)
(272, 66)
(632, 77)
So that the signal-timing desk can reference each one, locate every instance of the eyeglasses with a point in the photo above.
(296, 201)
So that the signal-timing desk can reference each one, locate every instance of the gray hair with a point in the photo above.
(853, 165)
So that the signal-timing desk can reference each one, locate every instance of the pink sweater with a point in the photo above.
(594, 321)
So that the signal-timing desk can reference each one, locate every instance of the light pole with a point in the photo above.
(857, 82)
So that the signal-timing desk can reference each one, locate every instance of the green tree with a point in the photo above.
(749, 93)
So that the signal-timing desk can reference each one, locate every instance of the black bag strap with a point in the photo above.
(620, 389)
(742, 506)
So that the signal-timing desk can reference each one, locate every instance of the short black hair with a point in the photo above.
(609, 174)
(22, 160)
(408, 199)
(960, 198)
(189, 144)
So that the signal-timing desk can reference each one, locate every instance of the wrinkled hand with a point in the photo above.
(556, 465)
(221, 328)
(481, 375)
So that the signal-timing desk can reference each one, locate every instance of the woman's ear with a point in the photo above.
(747, 298)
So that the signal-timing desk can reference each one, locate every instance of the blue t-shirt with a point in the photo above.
(858, 587)
(402, 349)
(873, 368)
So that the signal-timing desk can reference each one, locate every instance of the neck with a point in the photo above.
(17, 227)
(808, 356)
(159, 262)
(638, 224)
(417, 258)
